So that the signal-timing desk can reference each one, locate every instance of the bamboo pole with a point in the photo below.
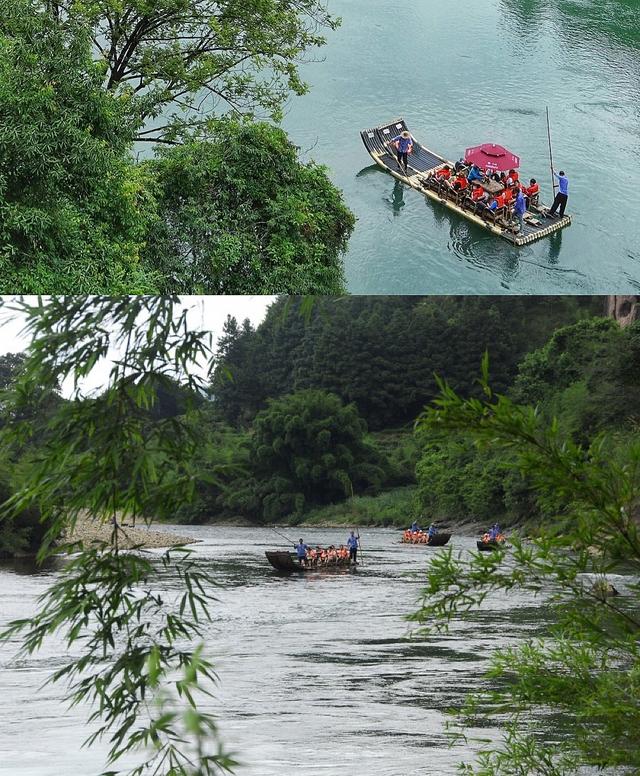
(553, 180)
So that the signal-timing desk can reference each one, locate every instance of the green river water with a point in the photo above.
(463, 73)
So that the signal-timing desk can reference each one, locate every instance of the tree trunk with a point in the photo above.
(624, 309)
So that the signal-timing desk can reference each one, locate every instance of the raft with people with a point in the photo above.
(422, 537)
(489, 199)
(493, 539)
(432, 537)
(317, 559)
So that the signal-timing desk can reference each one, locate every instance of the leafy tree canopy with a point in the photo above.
(584, 668)
(308, 448)
(241, 214)
(72, 208)
(185, 60)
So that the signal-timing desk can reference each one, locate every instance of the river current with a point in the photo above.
(317, 673)
(464, 73)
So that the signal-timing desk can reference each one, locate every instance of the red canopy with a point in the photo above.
(490, 156)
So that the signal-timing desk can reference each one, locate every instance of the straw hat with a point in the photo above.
(406, 134)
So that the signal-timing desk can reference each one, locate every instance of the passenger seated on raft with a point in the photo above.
(512, 178)
(497, 206)
(532, 192)
(437, 179)
(443, 174)
(460, 183)
(477, 198)
(475, 174)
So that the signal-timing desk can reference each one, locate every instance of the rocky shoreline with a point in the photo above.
(89, 530)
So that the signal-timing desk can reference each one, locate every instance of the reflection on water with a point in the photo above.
(582, 60)
(319, 669)
(397, 198)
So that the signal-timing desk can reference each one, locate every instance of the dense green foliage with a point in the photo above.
(240, 214)
(308, 448)
(382, 352)
(586, 666)
(585, 376)
(228, 208)
(72, 210)
(23, 532)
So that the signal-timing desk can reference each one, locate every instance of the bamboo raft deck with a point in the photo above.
(423, 161)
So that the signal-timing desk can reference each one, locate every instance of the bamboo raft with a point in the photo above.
(422, 162)
(287, 563)
(490, 545)
(439, 540)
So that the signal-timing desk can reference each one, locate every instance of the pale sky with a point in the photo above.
(205, 313)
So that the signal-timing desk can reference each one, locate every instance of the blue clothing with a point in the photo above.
(352, 542)
(474, 174)
(432, 530)
(301, 550)
(414, 527)
(404, 143)
(563, 183)
(520, 204)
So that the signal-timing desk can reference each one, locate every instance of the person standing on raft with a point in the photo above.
(301, 551)
(563, 194)
(404, 146)
(352, 544)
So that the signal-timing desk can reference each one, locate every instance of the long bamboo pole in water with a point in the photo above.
(553, 180)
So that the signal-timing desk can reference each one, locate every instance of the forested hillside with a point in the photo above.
(311, 415)
(382, 352)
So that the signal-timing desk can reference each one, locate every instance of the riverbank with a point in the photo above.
(90, 531)
(395, 508)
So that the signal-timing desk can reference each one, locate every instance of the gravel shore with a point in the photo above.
(89, 530)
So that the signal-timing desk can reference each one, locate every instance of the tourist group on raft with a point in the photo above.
(508, 200)
(328, 556)
(493, 535)
(415, 535)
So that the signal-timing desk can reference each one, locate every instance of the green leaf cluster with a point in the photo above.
(586, 666)
(308, 448)
(73, 211)
(584, 377)
(241, 214)
(121, 455)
